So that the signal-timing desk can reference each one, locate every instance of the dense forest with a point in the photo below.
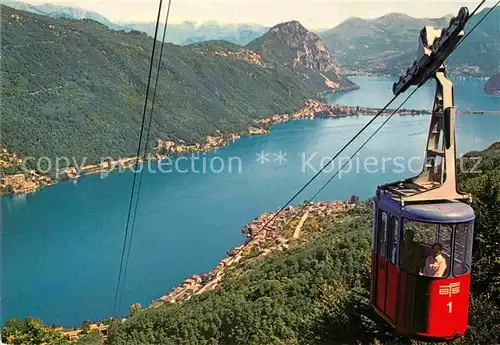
(75, 88)
(315, 292)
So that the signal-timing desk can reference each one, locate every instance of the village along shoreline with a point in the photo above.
(30, 181)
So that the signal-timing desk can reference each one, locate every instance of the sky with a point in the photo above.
(312, 13)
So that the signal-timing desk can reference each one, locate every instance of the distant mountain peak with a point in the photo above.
(290, 23)
(395, 15)
(387, 44)
(293, 27)
(294, 46)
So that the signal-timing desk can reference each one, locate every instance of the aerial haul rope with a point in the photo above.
(440, 55)
(418, 76)
(122, 269)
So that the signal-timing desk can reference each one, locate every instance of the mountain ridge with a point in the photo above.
(82, 85)
(380, 46)
(313, 288)
(302, 50)
(387, 45)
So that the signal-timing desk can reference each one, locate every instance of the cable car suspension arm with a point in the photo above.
(437, 180)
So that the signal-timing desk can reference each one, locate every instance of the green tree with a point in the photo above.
(134, 308)
(31, 332)
(86, 326)
(91, 338)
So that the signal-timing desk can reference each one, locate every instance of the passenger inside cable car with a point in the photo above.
(435, 264)
(426, 249)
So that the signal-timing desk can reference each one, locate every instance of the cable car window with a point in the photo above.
(462, 258)
(382, 235)
(421, 232)
(394, 239)
(443, 236)
(426, 249)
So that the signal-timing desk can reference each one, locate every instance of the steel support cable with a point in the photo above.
(387, 120)
(307, 202)
(476, 9)
(137, 160)
(383, 124)
(359, 149)
(477, 24)
(371, 121)
(344, 165)
(321, 170)
(145, 152)
(363, 145)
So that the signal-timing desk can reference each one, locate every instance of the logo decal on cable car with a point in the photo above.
(449, 290)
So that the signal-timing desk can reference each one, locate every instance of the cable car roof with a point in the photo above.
(435, 212)
(448, 212)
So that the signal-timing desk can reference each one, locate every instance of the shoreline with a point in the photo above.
(260, 242)
(30, 181)
(280, 234)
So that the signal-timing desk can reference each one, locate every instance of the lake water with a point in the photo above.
(62, 245)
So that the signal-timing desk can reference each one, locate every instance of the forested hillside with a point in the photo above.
(75, 88)
(483, 181)
(383, 45)
(388, 45)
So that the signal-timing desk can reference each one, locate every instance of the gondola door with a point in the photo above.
(392, 270)
(382, 261)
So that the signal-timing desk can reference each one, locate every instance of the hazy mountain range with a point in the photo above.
(191, 32)
(385, 45)
(57, 11)
(184, 33)
(388, 44)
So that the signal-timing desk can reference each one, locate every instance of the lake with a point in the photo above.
(62, 245)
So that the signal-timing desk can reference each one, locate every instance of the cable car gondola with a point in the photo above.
(423, 226)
